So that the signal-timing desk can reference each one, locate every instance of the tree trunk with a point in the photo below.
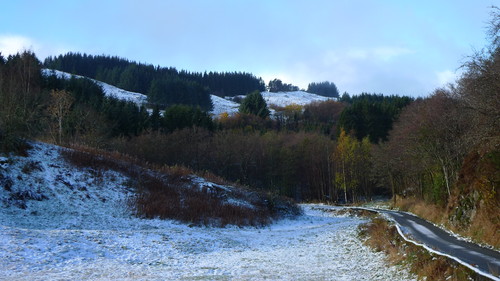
(60, 129)
(345, 185)
(393, 189)
(445, 173)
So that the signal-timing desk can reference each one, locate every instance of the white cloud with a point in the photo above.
(358, 54)
(388, 53)
(446, 77)
(12, 44)
(376, 54)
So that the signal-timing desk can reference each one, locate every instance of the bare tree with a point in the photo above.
(479, 87)
(61, 102)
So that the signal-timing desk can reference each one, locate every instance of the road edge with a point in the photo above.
(488, 275)
(387, 217)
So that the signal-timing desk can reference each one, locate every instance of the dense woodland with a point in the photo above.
(371, 115)
(327, 89)
(442, 149)
(276, 85)
(292, 154)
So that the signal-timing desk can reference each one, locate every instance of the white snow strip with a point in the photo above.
(109, 90)
(288, 98)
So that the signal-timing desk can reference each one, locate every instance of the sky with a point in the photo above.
(392, 47)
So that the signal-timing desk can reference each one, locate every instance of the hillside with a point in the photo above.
(46, 184)
(220, 105)
(109, 90)
(473, 209)
(283, 99)
(58, 221)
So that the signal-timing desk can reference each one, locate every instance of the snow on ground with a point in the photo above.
(76, 225)
(109, 90)
(281, 99)
(222, 105)
(287, 98)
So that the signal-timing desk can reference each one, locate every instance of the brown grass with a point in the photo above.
(484, 228)
(169, 193)
(428, 211)
(381, 236)
(352, 212)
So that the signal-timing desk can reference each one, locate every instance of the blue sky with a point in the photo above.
(397, 47)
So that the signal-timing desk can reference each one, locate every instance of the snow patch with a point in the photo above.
(109, 90)
(222, 105)
(283, 99)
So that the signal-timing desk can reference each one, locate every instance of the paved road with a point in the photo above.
(482, 260)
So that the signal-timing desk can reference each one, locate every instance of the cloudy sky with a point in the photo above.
(397, 47)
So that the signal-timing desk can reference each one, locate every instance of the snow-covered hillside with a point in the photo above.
(109, 90)
(60, 222)
(287, 98)
(222, 105)
(280, 99)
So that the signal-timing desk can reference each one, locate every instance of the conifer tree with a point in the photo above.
(254, 104)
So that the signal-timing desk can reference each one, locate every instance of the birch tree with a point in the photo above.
(61, 102)
(344, 157)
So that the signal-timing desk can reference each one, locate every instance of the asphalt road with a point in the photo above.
(435, 239)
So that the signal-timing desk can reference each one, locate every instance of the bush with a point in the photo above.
(173, 193)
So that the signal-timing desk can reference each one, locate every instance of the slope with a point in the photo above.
(109, 90)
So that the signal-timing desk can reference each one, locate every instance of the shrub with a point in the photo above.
(172, 193)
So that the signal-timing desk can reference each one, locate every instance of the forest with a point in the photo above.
(440, 151)
(164, 85)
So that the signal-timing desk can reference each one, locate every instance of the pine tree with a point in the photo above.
(254, 104)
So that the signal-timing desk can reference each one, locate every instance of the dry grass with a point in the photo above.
(352, 212)
(484, 228)
(169, 192)
(211, 177)
(381, 236)
(430, 212)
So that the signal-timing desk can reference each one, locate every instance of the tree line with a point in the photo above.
(73, 110)
(162, 84)
(372, 115)
(325, 88)
(291, 155)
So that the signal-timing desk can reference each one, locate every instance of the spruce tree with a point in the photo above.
(255, 104)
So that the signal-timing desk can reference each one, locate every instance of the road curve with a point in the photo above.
(418, 231)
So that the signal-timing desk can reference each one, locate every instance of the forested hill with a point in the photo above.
(371, 115)
(163, 85)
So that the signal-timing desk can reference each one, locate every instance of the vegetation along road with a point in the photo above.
(482, 260)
